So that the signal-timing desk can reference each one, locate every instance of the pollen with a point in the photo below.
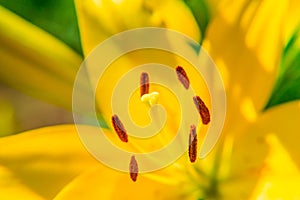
(133, 169)
(202, 109)
(144, 83)
(193, 144)
(182, 77)
(119, 128)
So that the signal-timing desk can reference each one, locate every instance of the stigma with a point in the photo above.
(151, 99)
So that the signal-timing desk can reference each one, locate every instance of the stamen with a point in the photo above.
(133, 168)
(144, 83)
(202, 109)
(182, 77)
(193, 144)
(119, 128)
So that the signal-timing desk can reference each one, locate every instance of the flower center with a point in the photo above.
(151, 98)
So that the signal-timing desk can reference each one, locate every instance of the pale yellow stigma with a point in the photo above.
(151, 98)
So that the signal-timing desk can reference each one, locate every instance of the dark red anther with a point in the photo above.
(193, 144)
(119, 128)
(133, 168)
(202, 109)
(144, 83)
(182, 77)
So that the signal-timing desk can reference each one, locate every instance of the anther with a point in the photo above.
(119, 128)
(133, 168)
(202, 109)
(144, 83)
(182, 77)
(193, 144)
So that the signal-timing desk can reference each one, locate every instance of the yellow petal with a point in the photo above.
(282, 122)
(245, 43)
(105, 183)
(35, 62)
(12, 188)
(264, 147)
(292, 20)
(42, 160)
(99, 19)
(280, 178)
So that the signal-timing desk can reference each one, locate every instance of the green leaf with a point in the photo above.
(201, 13)
(287, 87)
(55, 17)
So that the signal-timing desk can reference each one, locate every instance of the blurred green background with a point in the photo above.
(18, 111)
(55, 16)
(59, 18)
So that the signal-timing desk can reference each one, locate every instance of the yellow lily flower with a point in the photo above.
(257, 60)
(249, 160)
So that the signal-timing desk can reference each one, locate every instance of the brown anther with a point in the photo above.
(133, 168)
(202, 109)
(144, 83)
(182, 77)
(193, 144)
(119, 128)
